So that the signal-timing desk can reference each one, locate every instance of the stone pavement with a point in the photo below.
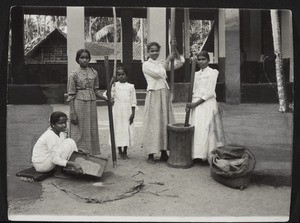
(260, 127)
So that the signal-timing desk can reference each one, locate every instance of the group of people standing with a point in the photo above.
(83, 90)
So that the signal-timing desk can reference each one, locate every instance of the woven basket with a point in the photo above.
(238, 182)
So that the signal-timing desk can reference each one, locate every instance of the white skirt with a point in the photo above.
(157, 115)
(123, 131)
(208, 133)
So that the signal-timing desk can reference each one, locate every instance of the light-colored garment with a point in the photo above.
(158, 106)
(82, 85)
(124, 99)
(51, 150)
(155, 73)
(158, 114)
(208, 133)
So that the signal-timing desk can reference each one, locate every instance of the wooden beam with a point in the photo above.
(110, 113)
(172, 38)
(186, 44)
(43, 10)
(89, 11)
(17, 46)
(127, 44)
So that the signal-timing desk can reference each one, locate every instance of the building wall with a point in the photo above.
(156, 18)
(257, 44)
(233, 52)
(287, 41)
(75, 37)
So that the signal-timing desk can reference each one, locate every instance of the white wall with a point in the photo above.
(287, 39)
(75, 34)
(156, 18)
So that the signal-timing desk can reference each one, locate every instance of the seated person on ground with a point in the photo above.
(52, 148)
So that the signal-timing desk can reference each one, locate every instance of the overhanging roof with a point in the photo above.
(137, 12)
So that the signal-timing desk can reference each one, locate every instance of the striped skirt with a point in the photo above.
(157, 115)
(85, 133)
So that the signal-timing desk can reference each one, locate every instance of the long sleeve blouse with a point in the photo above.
(205, 83)
(124, 93)
(82, 84)
(155, 73)
(46, 147)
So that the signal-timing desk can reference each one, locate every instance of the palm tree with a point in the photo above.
(283, 103)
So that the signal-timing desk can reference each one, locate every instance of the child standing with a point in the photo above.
(83, 85)
(123, 110)
(52, 148)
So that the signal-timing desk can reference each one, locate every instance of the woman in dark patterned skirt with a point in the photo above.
(83, 84)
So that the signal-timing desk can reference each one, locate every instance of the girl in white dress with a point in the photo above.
(204, 114)
(123, 111)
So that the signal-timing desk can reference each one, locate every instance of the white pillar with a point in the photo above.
(287, 39)
(220, 44)
(157, 28)
(75, 34)
(232, 62)
(221, 32)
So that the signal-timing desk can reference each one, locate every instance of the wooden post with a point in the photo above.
(17, 46)
(127, 44)
(110, 113)
(187, 115)
(186, 42)
(115, 44)
(172, 37)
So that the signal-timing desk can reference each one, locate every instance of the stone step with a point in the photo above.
(103, 103)
(140, 94)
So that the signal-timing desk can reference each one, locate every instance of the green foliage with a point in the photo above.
(101, 29)
(37, 27)
(199, 30)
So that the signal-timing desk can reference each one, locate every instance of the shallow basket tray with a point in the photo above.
(91, 165)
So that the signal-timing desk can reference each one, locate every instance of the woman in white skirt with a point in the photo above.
(204, 114)
(158, 106)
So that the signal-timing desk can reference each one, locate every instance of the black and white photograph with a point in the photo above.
(149, 114)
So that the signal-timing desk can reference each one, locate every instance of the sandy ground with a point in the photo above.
(169, 194)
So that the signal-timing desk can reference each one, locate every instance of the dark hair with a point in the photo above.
(121, 67)
(79, 52)
(55, 116)
(204, 53)
(149, 45)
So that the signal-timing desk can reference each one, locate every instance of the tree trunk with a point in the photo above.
(27, 34)
(283, 103)
(89, 36)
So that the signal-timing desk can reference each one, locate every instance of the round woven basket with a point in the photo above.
(238, 182)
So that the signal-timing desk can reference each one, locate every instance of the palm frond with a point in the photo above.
(104, 32)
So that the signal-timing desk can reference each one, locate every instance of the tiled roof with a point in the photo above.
(41, 41)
